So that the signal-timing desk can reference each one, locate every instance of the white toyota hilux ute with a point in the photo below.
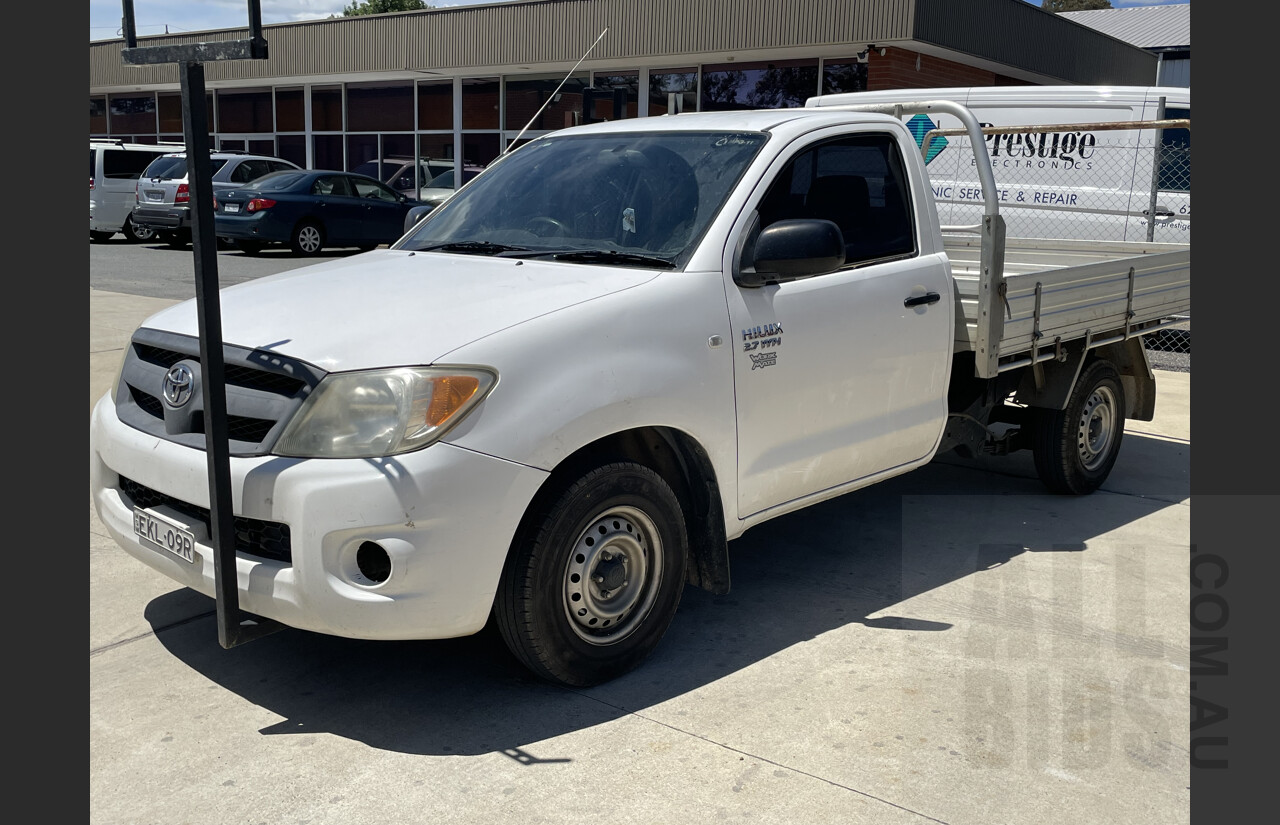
(557, 399)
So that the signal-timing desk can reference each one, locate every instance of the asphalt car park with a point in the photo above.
(900, 654)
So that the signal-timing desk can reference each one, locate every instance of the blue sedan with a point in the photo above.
(311, 209)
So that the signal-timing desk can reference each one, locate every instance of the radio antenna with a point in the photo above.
(552, 96)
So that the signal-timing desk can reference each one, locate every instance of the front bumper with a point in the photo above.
(445, 516)
(163, 218)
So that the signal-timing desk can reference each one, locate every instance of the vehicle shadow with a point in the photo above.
(852, 559)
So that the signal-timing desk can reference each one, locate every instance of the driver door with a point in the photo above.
(837, 378)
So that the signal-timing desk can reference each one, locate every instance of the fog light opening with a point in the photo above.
(373, 562)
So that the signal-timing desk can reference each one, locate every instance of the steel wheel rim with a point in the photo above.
(143, 233)
(1095, 437)
(611, 578)
(309, 238)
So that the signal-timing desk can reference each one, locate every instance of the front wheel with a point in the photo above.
(307, 239)
(1075, 448)
(594, 579)
(100, 237)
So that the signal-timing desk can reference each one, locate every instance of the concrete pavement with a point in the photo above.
(954, 645)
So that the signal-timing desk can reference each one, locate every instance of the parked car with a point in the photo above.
(114, 169)
(397, 172)
(163, 194)
(309, 210)
(441, 186)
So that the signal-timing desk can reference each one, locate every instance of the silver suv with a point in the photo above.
(163, 195)
(397, 172)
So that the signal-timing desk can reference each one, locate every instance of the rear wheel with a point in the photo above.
(594, 579)
(249, 247)
(137, 234)
(307, 239)
(1075, 448)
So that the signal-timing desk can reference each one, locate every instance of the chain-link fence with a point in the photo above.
(1079, 181)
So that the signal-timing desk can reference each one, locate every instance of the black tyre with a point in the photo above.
(249, 247)
(100, 237)
(176, 240)
(307, 238)
(137, 234)
(593, 580)
(1076, 448)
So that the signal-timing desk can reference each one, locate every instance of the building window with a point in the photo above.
(327, 151)
(435, 147)
(245, 112)
(326, 110)
(293, 148)
(97, 115)
(169, 111)
(666, 82)
(380, 107)
(772, 85)
(479, 149)
(543, 102)
(435, 105)
(480, 103)
(847, 75)
(135, 114)
(614, 96)
(361, 149)
(290, 111)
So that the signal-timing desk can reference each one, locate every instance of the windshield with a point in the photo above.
(638, 194)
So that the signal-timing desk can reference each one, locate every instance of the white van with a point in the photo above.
(114, 169)
(1083, 182)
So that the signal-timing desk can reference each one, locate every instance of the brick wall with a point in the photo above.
(897, 70)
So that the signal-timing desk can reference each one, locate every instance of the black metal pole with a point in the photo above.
(195, 122)
(234, 627)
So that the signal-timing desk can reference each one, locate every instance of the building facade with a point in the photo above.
(466, 83)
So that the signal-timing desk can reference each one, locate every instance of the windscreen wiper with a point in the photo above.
(610, 256)
(473, 247)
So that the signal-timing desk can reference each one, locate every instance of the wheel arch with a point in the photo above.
(684, 465)
(1129, 357)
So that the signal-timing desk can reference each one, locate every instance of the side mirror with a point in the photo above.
(791, 250)
(414, 215)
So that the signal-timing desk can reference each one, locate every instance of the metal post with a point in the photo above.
(234, 627)
(212, 367)
(1156, 157)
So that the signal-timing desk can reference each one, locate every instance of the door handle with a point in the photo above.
(921, 300)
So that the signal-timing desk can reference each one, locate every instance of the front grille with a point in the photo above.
(263, 390)
(253, 537)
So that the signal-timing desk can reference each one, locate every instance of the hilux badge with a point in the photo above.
(178, 383)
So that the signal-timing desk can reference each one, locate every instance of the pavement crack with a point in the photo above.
(105, 648)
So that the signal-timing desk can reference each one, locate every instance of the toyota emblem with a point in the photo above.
(178, 385)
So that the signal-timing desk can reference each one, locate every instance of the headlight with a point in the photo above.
(383, 412)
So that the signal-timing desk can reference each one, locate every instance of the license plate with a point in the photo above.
(153, 195)
(163, 534)
(231, 207)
